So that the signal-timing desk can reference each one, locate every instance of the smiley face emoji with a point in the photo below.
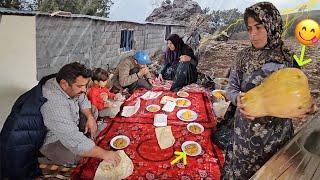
(307, 32)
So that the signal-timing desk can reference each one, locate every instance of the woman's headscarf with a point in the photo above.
(180, 49)
(252, 59)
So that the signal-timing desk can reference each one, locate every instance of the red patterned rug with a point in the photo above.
(150, 162)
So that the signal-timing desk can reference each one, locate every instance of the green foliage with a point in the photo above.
(88, 7)
(10, 4)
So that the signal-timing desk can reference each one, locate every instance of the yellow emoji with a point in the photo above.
(307, 32)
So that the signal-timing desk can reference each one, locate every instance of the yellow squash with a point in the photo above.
(285, 94)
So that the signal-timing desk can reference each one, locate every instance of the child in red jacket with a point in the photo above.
(107, 103)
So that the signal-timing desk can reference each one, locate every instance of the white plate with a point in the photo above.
(154, 105)
(187, 105)
(183, 147)
(195, 124)
(117, 137)
(182, 94)
(193, 114)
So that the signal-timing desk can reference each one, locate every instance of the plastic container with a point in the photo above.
(221, 83)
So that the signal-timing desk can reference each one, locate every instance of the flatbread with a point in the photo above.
(107, 171)
(165, 137)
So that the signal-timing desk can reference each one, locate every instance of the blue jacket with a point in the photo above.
(22, 135)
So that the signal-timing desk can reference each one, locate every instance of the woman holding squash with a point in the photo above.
(255, 139)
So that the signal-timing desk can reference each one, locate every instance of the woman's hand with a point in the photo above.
(151, 81)
(160, 78)
(185, 58)
(311, 110)
(241, 108)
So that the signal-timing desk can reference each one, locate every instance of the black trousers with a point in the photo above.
(185, 74)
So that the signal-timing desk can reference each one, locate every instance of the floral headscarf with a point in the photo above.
(252, 59)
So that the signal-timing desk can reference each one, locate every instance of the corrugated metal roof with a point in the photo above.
(7, 11)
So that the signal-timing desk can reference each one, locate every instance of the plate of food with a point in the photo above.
(191, 148)
(195, 128)
(182, 94)
(183, 102)
(187, 115)
(153, 108)
(120, 142)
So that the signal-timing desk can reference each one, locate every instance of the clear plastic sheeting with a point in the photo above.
(299, 159)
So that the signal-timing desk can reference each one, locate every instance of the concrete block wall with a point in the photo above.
(96, 43)
(60, 41)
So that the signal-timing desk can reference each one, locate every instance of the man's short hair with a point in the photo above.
(70, 72)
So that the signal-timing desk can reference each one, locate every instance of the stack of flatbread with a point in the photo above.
(165, 137)
(151, 95)
(107, 171)
(128, 111)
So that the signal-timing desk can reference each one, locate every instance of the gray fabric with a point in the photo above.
(61, 117)
(57, 153)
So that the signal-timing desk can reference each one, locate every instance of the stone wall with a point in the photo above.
(96, 43)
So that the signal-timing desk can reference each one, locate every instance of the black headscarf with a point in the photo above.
(181, 48)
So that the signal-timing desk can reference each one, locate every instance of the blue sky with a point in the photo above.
(138, 10)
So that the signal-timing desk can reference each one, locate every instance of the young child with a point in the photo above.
(107, 103)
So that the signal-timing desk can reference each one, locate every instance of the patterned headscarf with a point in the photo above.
(252, 59)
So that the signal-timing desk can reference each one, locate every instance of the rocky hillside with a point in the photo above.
(177, 12)
(189, 13)
(212, 23)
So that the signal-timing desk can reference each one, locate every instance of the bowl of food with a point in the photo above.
(195, 128)
(187, 115)
(191, 148)
(221, 83)
(219, 95)
(120, 142)
(182, 94)
(153, 108)
(183, 102)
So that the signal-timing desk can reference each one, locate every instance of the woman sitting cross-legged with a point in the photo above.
(180, 64)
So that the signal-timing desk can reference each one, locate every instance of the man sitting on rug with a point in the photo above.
(133, 73)
(65, 94)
